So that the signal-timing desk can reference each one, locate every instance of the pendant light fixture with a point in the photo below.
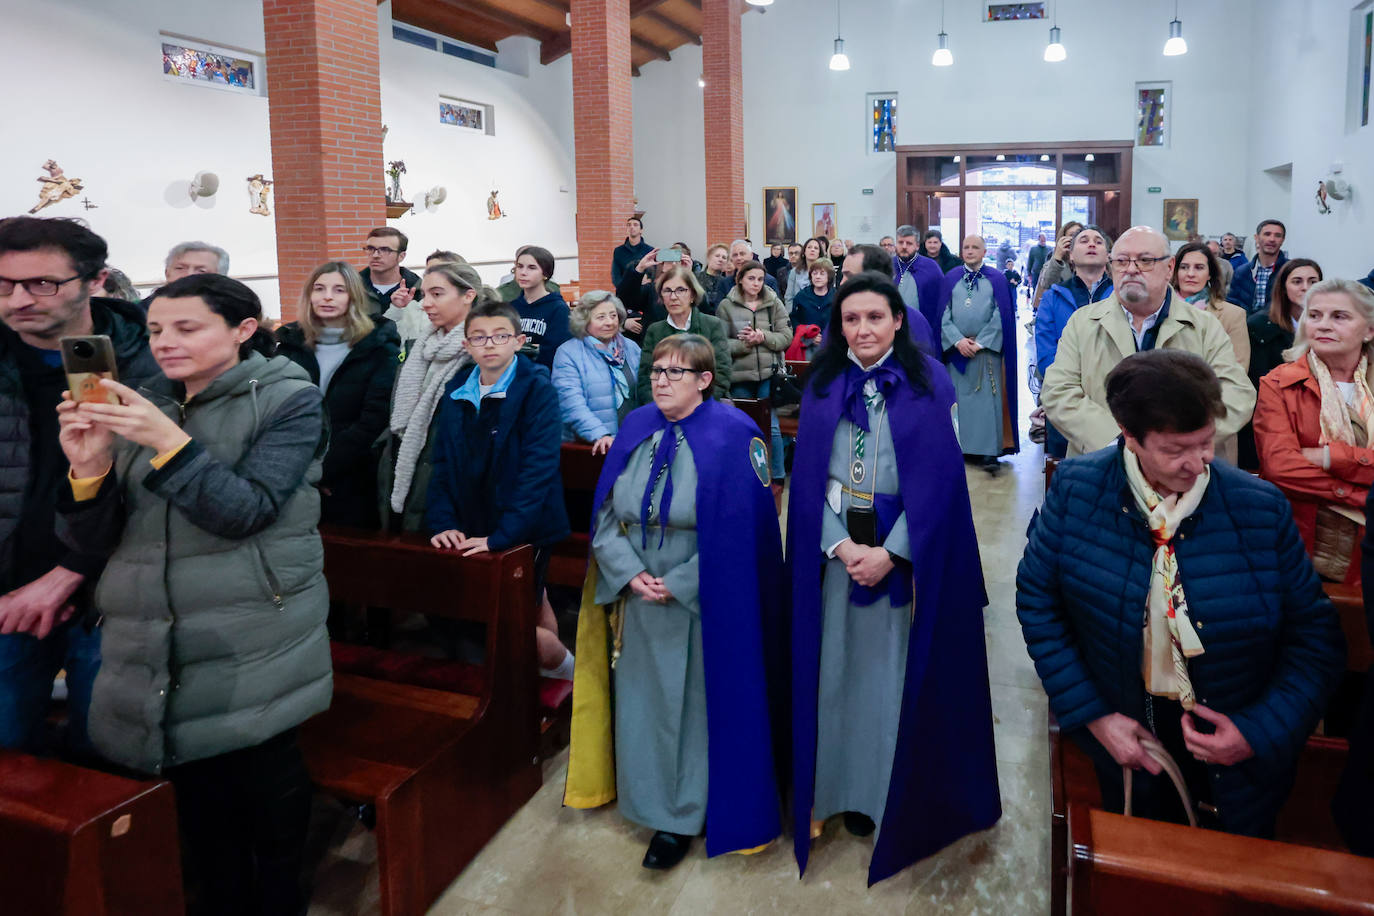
(760, 2)
(1054, 51)
(839, 60)
(1175, 45)
(942, 56)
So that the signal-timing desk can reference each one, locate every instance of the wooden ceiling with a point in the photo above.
(656, 26)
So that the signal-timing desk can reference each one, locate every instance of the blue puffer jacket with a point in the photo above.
(586, 394)
(1056, 307)
(1273, 649)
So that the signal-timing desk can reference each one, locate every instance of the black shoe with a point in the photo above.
(666, 850)
(858, 824)
(990, 464)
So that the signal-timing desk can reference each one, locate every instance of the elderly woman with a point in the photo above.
(682, 296)
(686, 550)
(1314, 425)
(887, 596)
(594, 373)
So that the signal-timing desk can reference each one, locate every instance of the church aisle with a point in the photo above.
(555, 861)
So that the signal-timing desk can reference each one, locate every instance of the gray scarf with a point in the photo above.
(416, 400)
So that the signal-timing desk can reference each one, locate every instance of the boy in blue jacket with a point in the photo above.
(496, 482)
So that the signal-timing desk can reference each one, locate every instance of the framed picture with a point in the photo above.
(823, 220)
(1180, 218)
(779, 216)
(745, 233)
(473, 116)
(186, 60)
(1152, 118)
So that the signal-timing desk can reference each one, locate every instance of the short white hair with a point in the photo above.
(738, 242)
(188, 247)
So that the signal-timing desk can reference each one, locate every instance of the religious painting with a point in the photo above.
(1152, 114)
(745, 233)
(1010, 12)
(1368, 48)
(779, 216)
(823, 220)
(883, 112)
(211, 66)
(461, 114)
(1180, 219)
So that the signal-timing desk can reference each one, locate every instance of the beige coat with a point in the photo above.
(1232, 318)
(1098, 336)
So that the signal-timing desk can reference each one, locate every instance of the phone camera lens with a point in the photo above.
(83, 349)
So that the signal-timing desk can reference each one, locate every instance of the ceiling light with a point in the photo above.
(1175, 45)
(1090, 158)
(1001, 158)
(1044, 157)
(942, 57)
(839, 60)
(1054, 51)
(760, 2)
(956, 158)
(701, 82)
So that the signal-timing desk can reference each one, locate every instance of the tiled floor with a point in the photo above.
(552, 861)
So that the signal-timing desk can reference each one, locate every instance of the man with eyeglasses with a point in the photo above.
(1140, 314)
(385, 249)
(49, 269)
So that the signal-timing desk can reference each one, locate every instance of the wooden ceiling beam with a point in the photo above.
(672, 25)
(516, 23)
(640, 7)
(645, 44)
(552, 49)
(431, 18)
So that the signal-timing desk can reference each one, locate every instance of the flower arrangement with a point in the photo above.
(394, 170)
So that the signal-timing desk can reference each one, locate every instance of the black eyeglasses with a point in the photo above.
(480, 340)
(674, 373)
(35, 286)
(1144, 262)
(373, 249)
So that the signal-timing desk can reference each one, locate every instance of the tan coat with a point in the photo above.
(1098, 336)
(1232, 318)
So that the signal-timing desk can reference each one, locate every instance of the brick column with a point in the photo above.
(325, 111)
(604, 133)
(722, 69)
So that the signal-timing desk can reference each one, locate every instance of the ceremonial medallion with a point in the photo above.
(856, 471)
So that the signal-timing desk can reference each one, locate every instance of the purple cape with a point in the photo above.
(944, 770)
(1006, 305)
(743, 622)
(927, 275)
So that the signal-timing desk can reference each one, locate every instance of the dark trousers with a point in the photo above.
(1155, 797)
(244, 817)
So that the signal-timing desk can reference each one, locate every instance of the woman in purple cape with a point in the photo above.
(892, 719)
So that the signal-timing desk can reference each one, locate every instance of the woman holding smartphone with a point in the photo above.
(200, 490)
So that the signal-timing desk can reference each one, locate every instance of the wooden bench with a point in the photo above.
(788, 425)
(581, 470)
(79, 842)
(443, 769)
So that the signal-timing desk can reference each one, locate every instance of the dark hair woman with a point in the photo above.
(880, 518)
(682, 297)
(687, 539)
(353, 358)
(200, 489)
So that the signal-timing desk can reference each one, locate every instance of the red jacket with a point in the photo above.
(1287, 420)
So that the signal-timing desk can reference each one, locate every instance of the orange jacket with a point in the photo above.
(1286, 422)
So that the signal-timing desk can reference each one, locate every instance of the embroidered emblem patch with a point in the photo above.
(758, 457)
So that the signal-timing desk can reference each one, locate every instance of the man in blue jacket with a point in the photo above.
(1163, 596)
(1250, 285)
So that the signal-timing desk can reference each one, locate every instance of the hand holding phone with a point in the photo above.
(87, 360)
(670, 256)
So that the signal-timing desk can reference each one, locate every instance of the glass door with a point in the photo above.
(1083, 206)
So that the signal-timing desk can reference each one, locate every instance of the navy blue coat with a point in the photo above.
(1273, 644)
(1242, 291)
(520, 499)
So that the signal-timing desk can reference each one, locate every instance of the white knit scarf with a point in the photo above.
(417, 397)
(1170, 639)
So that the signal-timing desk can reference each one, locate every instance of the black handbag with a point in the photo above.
(784, 389)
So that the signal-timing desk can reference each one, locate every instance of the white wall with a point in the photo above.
(1298, 75)
(92, 96)
(670, 150)
(807, 126)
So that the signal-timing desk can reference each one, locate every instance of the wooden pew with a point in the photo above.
(581, 470)
(444, 769)
(788, 425)
(79, 842)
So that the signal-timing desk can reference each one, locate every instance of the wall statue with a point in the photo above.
(258, 189)
(56, 187)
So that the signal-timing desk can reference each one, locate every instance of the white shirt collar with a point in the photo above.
(882, 359)
(680, 327)
(1149, 322)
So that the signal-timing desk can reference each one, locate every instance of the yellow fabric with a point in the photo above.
(157, 461)
(1336, 417)
(1170, 639)
(591, 751)
(85, 488)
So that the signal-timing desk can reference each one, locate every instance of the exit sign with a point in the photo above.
(867, 190)
(1154, 189)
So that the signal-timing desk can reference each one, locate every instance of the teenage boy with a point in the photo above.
(495, 481)
(543, 313)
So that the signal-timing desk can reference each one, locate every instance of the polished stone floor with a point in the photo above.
(552, 861)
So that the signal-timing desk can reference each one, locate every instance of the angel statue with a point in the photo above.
(56, 187)
(258, 189)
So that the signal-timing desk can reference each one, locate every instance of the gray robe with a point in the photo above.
(979, 387)
(863, 649)
(660, 679)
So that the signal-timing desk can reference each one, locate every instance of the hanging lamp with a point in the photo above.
(1054, 51)
(942, 56)
(1175, 45)
(839, 60)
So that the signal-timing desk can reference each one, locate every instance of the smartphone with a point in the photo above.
(87, 360)
(669, 256)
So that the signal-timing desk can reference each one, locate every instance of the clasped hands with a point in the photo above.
(968, 347)
(454, 539)
(87, 429)
(1120, 735)
(650, 588)
(866, 565)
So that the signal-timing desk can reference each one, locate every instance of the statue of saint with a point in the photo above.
(258, 189)
(493, 207)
